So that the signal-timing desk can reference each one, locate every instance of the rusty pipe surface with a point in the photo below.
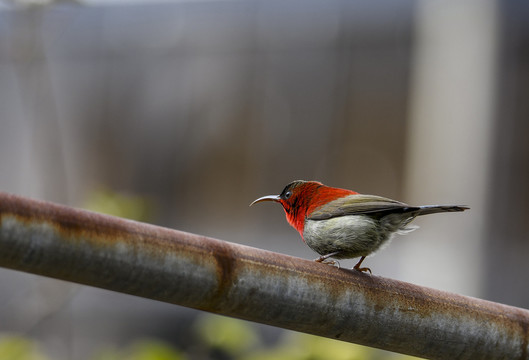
(236, 280)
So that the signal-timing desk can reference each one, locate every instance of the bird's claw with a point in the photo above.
(332, 263)
(362, 269)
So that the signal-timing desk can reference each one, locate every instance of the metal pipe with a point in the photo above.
(240, 281)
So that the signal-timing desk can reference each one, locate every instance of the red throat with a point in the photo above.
(308, 198)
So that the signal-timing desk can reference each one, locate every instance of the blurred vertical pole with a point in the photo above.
(507, 233)
(449, 136)
(36, 107)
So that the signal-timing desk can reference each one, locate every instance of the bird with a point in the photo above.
(344, 224)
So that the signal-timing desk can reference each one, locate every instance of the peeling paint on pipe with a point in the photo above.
(248, 283)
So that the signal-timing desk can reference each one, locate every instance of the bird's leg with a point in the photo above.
(362, 269)
(323, 259)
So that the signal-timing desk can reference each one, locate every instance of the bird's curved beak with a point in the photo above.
(275, 198)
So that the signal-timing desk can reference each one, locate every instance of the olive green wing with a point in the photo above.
(359, 204)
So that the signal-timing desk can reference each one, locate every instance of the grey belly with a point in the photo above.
(351, 236)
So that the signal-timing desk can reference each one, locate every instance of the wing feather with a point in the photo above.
(359, 204)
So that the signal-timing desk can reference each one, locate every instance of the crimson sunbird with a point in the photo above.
(343, 224)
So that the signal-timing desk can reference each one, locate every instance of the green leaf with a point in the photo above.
(14, 347)
(230, 335)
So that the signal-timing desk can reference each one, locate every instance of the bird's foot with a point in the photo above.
(326, 256)
(331, 262)
(324, 260)
(362, 269)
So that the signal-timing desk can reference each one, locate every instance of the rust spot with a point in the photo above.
(378, 307)
(225, 259)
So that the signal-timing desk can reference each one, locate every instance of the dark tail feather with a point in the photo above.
(433, 209)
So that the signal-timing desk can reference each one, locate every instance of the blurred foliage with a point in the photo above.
(231, 336)
(16, 347)
(218, 338)
(142, 350)
(240, 340)
(127, 206)
(298, 346)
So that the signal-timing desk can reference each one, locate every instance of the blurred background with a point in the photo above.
(182, 113)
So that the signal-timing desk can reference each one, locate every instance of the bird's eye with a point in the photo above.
(288, 194)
